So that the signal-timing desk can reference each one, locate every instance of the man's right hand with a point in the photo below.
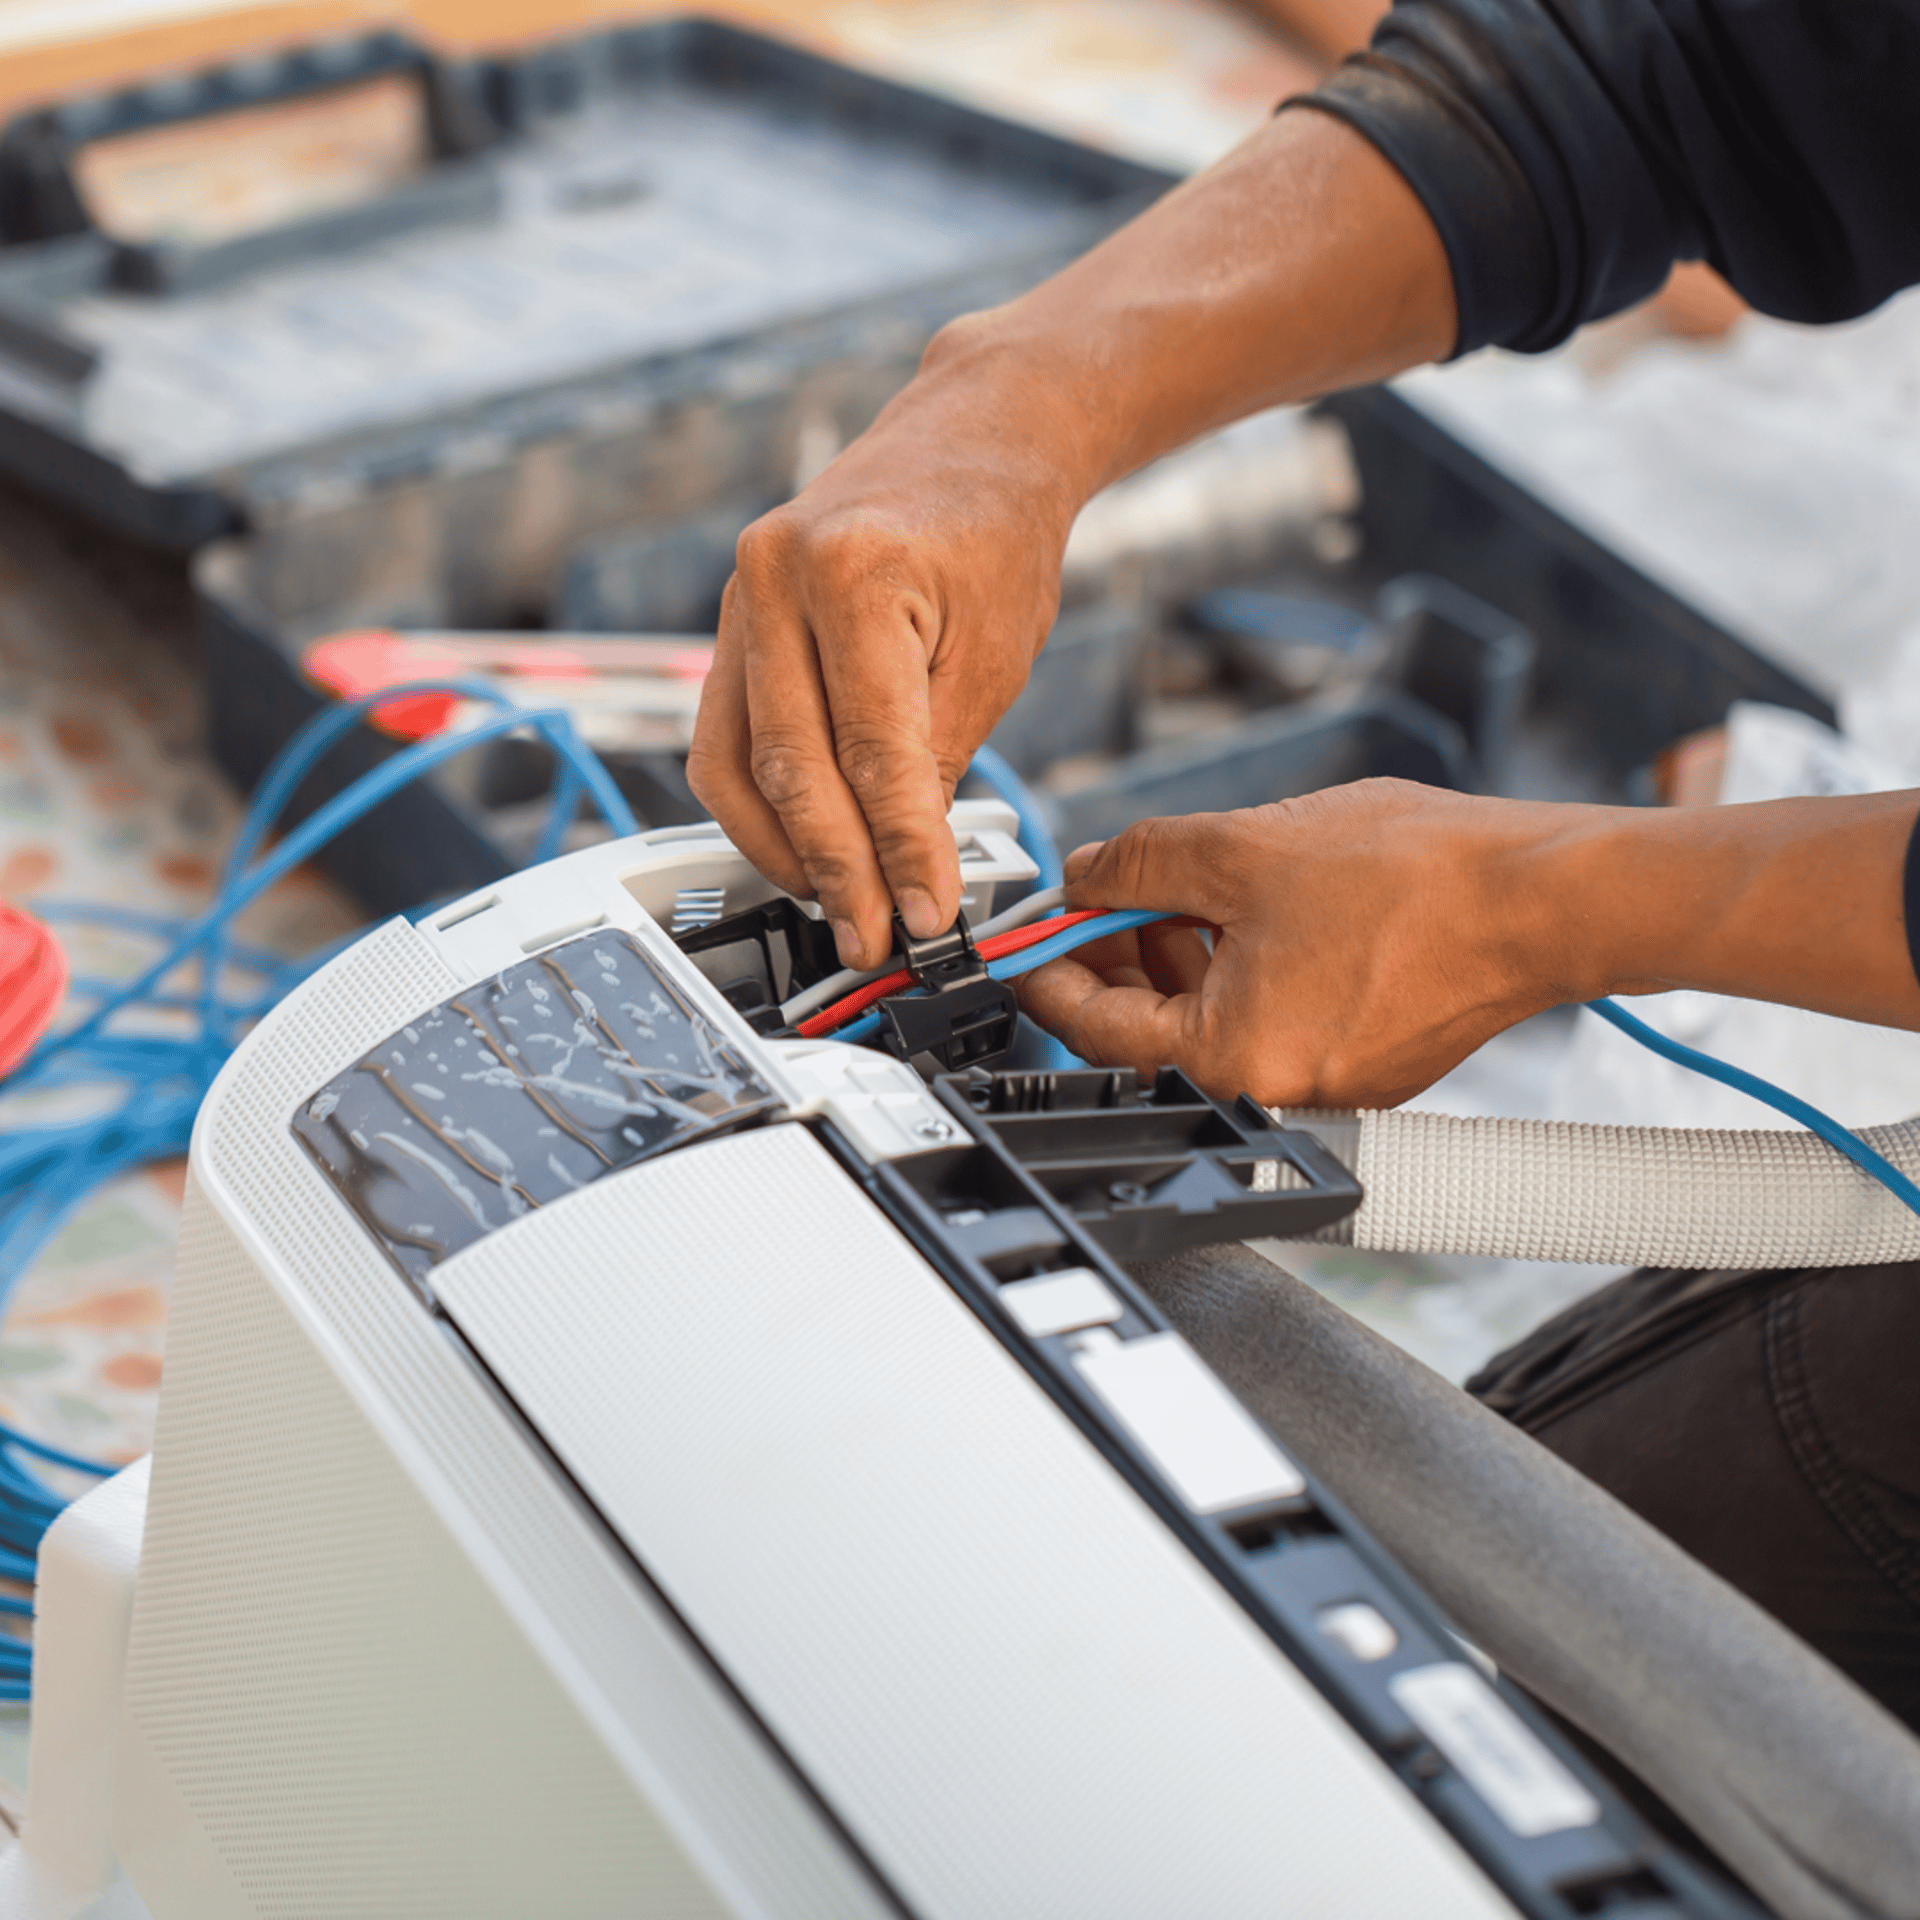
(876, 629)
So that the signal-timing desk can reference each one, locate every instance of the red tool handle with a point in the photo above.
(33, 981)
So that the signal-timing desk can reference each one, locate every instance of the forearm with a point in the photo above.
(1300, 264)
(1796, 901)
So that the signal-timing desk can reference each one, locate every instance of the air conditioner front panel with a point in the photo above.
(1018, 1690)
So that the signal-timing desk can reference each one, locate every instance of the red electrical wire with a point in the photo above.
(857, 1002)
(997, 946)
(994, 947)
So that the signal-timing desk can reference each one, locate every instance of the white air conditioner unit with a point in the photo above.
(613, 1462)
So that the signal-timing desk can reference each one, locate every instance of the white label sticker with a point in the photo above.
(1195, 1431)
(1494, 1750)
(1062, 1302)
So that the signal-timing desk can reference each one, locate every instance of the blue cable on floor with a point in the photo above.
(151, 1083)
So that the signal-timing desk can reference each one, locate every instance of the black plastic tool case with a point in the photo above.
(651, 273)
(1621, 660)
(611, 226)
(653, 276)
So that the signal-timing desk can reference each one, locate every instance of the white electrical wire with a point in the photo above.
(1034, 907)
(823, 993)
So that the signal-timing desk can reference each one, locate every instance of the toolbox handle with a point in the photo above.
(451, 194)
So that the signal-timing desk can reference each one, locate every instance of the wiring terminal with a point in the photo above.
(962, 1016)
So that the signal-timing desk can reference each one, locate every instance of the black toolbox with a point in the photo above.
(638, 286)
(593, 239)
(647, 278)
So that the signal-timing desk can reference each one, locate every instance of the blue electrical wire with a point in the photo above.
(154, 1082)
(1011, 965)
(1036, 837)
(1810, 1117)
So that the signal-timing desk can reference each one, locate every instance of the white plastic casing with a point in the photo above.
(64, 1868)
(710, 1557)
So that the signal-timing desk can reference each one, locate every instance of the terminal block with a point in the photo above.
(961, 1016)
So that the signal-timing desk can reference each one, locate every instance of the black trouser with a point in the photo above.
(1769, 1423)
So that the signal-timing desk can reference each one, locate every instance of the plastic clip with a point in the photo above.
(962, 1017)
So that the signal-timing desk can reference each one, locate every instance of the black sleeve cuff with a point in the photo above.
(1544, 200)
(1569, 151)
(1489, 223)
(1910, 893)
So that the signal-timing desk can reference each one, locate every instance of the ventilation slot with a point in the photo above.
(465, 911)
(697, 907)
(1616, 1893)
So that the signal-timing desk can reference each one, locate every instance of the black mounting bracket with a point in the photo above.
(761, 957)
(1151, 1168)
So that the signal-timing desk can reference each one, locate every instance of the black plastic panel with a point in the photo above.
(1150, 1170)
(985, 1222)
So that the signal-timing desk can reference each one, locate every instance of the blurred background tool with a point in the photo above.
(624, 695)
(33, 977)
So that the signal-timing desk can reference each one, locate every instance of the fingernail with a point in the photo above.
(918, 913)
(846, 936)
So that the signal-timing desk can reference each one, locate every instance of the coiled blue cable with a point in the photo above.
(154, 1083)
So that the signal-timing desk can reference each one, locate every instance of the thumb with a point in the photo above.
(1185, 865)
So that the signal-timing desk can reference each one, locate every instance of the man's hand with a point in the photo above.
(879, 625)
(1368, 938)
(876, 629)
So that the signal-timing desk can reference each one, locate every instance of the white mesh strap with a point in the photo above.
(1626, 1196)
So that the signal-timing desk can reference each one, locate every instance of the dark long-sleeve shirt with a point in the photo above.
(1569, 151)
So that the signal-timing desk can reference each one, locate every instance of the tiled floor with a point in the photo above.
(106, 795)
